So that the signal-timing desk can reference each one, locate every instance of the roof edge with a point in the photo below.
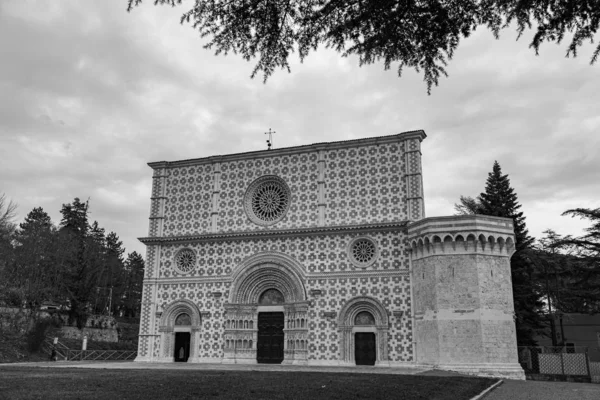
(416, 134)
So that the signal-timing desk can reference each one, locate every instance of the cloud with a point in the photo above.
(92, 93)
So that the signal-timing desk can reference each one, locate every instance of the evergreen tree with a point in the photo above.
(132, 296)
(114, 273)
(83, 260)
(582, 276)
(500, 200)
(98, 238)
(34, 270)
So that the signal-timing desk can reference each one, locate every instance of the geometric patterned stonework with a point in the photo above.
(336, 245)
(363, 184)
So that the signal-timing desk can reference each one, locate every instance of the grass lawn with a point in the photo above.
(72, 383)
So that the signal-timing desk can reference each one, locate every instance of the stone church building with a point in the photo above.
(322, 255)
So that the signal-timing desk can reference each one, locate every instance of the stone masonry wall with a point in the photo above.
(468, 298)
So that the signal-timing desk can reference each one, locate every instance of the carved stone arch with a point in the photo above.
(177, 307)
(167, 329)
(359, 304)
(264, 271)
(347, 328)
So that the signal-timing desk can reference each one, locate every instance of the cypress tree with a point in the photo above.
(500, 200)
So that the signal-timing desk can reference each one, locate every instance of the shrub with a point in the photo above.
(14, 297)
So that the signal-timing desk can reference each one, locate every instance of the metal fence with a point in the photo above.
(62, 352)
(101, 355)
(546, 360)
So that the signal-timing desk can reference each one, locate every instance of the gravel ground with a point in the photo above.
(534, 390)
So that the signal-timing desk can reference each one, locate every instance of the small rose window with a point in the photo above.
(362, 252)
(185, 261)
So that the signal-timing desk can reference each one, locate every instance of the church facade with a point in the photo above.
(322, 255)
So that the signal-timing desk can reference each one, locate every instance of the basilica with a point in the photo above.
(322, 255)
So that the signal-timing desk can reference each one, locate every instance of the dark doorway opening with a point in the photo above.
(182, 346)
(270, 337)
(364, 348)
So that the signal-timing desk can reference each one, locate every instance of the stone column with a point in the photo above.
(464, 312)
(321, 185)
(414, 176)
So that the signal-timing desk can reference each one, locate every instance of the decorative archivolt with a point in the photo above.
(264, 271)
(462, 241)
(174, 309)
(360, 304)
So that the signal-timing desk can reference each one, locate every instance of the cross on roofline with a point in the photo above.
(270, 141)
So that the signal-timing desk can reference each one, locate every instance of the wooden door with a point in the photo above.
(364, 348)
(270, 337)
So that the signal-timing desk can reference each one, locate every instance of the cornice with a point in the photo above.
(460, 223)
(270, 234)
(228, 279)
(389, 273)
(417, 134)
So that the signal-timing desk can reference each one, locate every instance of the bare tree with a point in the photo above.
(8, 212)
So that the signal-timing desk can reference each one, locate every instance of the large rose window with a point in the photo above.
(267, 200)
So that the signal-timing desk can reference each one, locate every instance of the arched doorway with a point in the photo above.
(363, 327)
(182, 329)
(365, 349)
(266, 300)
(179, 329)
(270, 336)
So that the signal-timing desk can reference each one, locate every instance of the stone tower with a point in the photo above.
(463, 302)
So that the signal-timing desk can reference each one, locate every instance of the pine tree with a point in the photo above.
(34, 270)
(83, 260)
(132, 297)
(114, 272)
(500, 200)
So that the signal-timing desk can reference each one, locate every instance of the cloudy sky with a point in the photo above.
(90, 93)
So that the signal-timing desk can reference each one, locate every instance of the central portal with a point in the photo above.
(270, 337)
